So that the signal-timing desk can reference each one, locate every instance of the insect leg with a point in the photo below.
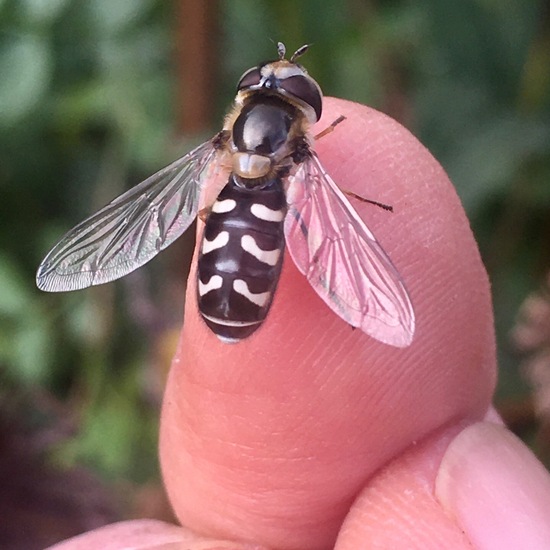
(387, 207)
(330, 128)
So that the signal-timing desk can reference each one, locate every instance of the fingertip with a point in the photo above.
(306, 397)
(143, 534)
(496, 489)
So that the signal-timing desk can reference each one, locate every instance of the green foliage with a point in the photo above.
(85, 107)
(482, 102)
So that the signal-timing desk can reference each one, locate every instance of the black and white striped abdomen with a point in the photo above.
(240, 258)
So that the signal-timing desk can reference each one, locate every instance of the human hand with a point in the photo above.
(311, 435)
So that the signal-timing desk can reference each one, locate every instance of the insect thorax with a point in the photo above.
(266, 132)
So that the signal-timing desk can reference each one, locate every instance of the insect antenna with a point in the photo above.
(299, 52)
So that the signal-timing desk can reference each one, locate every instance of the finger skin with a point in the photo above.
(398, 508)
(271, 440)
(474, 486)
(144, 534)
(492, 485)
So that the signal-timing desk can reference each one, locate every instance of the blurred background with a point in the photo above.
(95, 95)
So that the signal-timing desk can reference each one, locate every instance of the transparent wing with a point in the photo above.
(130, 230)
(342, 260)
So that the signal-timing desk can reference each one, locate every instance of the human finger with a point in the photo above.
(271, 439)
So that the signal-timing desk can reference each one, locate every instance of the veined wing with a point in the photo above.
(342, 260)
(130, 230)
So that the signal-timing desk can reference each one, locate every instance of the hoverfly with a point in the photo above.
(276, 192)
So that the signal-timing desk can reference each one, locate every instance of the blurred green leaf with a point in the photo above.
(41, 11)
(485, 163)
(14, 291)
(114, 432)
(32, 351)
(113, 17)
(25, 346)
(25, 66)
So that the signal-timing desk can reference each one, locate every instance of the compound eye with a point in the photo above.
(250, 78)
(305, 89)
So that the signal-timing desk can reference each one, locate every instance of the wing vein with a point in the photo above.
(342, 260)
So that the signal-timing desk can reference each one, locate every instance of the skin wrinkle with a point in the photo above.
(245, 420)
(373, 368)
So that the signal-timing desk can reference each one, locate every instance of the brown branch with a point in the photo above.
(196, 55)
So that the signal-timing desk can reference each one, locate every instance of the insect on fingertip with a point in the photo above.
(276, 195)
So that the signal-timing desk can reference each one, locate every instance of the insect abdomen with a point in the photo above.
(240, 258)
